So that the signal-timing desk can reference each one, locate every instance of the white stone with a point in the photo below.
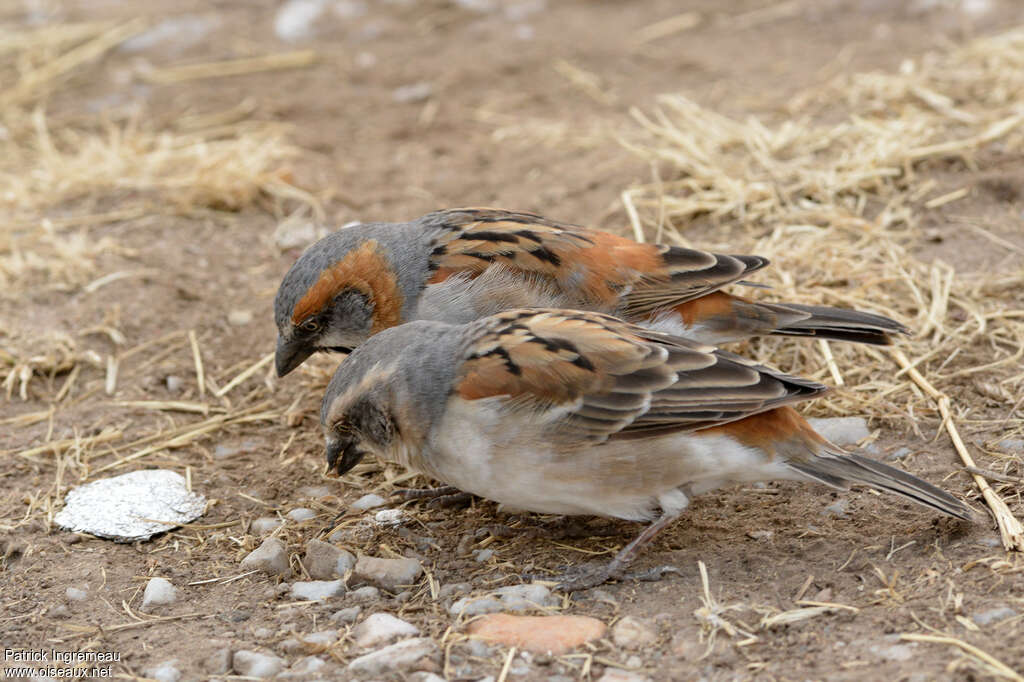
(993, 615)
(319, 640)
(164, 672)
(301, 514)
(895, 652)
(309, 664)
(412, 93)
(264, 525)
(324, 561)
(368, 502)
(297, 232)
(219, 662)
(389, 517)
(76, 594)
(317, 589)
(296, 18)
(524, 597)
(389, 574)
(381, 628)
(239, 318)
(364, 594)
(476, 606)
(174, 383)
(271, 557)
(633, 633)
(255, 664)
(159, 591)
(398, 656)
(838, 508)
(346, 616)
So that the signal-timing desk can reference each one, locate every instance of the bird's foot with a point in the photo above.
(587, 576)
(440, 497)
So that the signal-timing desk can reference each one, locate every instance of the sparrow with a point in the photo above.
(580, 413)
(463, 264)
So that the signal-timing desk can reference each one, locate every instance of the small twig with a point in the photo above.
(830, 361)
(1010, 529)
(232, 67)
(244, 375)
(197, 358)
(998, 666)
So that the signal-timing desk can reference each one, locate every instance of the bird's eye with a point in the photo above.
(311, 326)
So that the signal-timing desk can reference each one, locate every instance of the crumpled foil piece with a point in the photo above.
(130, 507)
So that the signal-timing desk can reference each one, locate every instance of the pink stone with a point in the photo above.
(540, 634)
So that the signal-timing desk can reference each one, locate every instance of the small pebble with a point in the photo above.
(315, 491)
(389, 574)
(389, 517)
(894, 652)
(75, 594)
(316, 642)
(837, 508)
(410, 94)
(993, 615)
(362, 595)
(482, 555)
(760, 534)
(452, 589)
(368, 502)
(324, 561)
(264, 525)
(255, 664)
(297, 19)
(271, 557)
(309, 664)
(318, 590)
(239, 318)
(1011, 445)
(262, 633)
(174, 383)
(346, 616)
(480, 648)
(398, 656)
(619, 675)
(425, 677)
(633, 633)
(510, 598)
(219, 662)
(382, 628)
(159, 591)
(59, 611)
(898, 453)
(164, 672)
(301, 514)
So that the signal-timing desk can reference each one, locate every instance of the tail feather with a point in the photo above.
(837, 324)
(839, 469)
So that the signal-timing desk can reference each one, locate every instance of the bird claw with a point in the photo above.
(425, 493)
(588, 576)
(440, 497)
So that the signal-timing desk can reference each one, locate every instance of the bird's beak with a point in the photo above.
(290, 354)
(341, 456)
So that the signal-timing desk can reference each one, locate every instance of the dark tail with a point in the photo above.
(836, 324)
(839, 469)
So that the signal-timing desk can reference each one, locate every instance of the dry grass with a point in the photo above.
(64, 175)
(837, 208)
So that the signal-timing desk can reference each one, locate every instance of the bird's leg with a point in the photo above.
(442, 496)
(589, 576)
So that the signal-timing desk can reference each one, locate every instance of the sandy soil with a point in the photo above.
(504, 119)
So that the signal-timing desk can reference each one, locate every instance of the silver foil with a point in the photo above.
(130, 507)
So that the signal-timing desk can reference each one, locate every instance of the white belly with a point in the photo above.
(503, 458)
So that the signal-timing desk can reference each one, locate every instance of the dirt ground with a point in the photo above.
(411, 106)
